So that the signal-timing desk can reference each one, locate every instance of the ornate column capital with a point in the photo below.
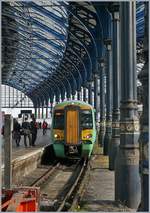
(114, 7)
(108, 43)
(101, 62)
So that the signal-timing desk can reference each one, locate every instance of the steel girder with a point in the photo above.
(45, 37)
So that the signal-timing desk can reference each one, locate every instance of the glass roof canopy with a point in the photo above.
(51, 47)
(39, 40)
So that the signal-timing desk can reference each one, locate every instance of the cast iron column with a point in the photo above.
(108, 65)
(73, 97)
(35, 112)
(79, 95)
(84, 94)
(96, 96)
(39, 112)
(90, 92)
(57, 99)
(62, 99)
(102, 102)
(115, 141)
(127, 178)
(51, 108)
(42, 112)
(47, 110)
(144, 136)
(68, 96)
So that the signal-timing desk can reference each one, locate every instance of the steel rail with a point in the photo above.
(78, 172)
(45, 176)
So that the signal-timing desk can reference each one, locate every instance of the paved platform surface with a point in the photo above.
(99, 192)
(41, 141)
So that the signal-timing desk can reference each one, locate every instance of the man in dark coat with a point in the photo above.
(16, 132)
(33, 126)
(26, 132)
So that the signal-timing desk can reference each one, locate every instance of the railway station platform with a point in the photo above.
(24, 160)
(99, 193)
(41, 141)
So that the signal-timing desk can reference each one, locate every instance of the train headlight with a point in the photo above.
(56, 136)
(89, 136)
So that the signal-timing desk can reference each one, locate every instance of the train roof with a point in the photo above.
(75, 102)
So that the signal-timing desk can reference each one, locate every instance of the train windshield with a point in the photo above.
(86, 119)
(58, 120)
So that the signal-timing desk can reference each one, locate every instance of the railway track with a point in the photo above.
(58, 190)
(58, 184)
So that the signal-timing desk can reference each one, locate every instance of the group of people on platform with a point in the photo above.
(28, 130)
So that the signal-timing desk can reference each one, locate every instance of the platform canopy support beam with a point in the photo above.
(127, 178)
(108, 66)
(115, 141)
(144, 135)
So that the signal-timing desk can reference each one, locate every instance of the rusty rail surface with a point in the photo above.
(58, 184)
(44, 177)
(72, 186)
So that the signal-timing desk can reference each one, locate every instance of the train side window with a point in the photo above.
(58, 120)
(86, 120)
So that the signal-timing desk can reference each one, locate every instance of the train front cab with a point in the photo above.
(73, 131)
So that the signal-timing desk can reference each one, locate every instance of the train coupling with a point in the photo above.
(73, 149)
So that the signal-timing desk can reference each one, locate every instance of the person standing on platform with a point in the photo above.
(16, 132)
(26, 132)
(44, 126)
(33, 126)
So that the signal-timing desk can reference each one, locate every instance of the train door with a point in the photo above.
(72, 136)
